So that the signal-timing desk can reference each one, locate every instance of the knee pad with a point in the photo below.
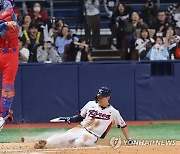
(8, 91)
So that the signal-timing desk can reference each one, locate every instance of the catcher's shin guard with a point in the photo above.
(6, 100)
(6, 104)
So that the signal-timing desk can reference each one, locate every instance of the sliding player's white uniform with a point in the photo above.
(96, 124)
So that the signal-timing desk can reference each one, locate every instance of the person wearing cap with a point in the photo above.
(96, 119)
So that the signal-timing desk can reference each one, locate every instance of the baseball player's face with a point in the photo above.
(103, 101)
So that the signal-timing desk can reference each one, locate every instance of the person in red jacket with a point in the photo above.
(8, 58)
(38, 14)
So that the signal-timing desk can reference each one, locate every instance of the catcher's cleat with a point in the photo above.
(40, 145)
(9, 117)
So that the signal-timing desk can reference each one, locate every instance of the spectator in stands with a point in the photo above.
(38, 14)
(117, 25)
(25, 24)
(77, 51)
(56, 28)
(24, 8)
(135, 23)
(54, 31)
(64, 38)
(149, 12)
(92, 19)
(172, 14)
(108, 11)
(47, 53)
(59, 24)
(23, 52)
(32, 40)
(159, 51)
(177, 16)
(173, 40)
(143, 44)
(161, 24)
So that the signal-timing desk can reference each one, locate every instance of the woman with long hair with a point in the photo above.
(143, 44)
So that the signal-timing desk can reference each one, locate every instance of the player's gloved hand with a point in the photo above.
(61, 119)
(131, 142)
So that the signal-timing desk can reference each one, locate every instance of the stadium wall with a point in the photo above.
(139, 90)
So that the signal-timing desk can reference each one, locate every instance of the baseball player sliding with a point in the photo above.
(95, 118)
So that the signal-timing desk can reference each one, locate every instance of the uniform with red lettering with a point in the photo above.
(96, 119)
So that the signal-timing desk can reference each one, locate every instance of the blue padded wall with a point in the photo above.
(17, 102)
(157, 97)
(119, 77)
(49, 91)
(46, 91)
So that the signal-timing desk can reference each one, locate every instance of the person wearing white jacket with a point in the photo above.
(159, 51)
(143, 44)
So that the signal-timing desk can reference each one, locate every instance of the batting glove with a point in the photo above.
(61, 119)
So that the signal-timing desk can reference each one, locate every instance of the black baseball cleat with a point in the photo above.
(40, 144)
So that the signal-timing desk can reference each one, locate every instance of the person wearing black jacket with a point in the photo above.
(77, 51)
(118, 23)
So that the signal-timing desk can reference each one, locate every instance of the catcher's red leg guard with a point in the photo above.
(6, 101)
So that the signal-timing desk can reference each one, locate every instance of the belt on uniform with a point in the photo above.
(91, 133)
(8, 50)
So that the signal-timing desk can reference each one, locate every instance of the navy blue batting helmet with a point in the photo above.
(103, 92)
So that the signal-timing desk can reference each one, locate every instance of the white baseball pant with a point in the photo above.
(77, 137)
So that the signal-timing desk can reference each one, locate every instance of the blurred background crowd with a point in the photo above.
(147, 33)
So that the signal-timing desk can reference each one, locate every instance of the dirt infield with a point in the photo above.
(28, 148)
(103, 146)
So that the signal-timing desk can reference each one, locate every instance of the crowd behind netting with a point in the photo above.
(151, 34)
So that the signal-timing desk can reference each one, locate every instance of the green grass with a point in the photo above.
(15, 135)
(155, 131)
